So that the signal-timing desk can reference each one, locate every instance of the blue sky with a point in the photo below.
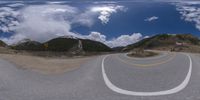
(114, 23)
(133, 20)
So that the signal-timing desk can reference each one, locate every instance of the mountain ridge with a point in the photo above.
(63, 44)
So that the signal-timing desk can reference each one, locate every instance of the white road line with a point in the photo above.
(158, 93)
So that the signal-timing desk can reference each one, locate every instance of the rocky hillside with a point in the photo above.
(167, 42)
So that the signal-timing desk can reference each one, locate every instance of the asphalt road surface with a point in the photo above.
(169, 76)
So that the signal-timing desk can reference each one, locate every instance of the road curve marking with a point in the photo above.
(114, 88)
(147, 65)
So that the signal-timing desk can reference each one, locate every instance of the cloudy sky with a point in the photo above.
(115, 23)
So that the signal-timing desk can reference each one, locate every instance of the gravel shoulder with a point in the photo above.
(45, 65)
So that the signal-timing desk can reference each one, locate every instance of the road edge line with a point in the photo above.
(116, 89)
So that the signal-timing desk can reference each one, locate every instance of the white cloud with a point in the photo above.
(96, 36)
(105, 11)
(16, 5)
(149, 19)
(124, 40)
(189, 2)
(85, 18)
(14, 39)
(190, 12)
(102, 11)
(146, 37)
(8, 19)
(55, 2)
(44, 22)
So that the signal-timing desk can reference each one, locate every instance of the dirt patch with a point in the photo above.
(142, 53)
(45, 65)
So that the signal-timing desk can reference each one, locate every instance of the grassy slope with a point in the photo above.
(164, 41)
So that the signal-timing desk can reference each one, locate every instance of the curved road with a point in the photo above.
(169, 76)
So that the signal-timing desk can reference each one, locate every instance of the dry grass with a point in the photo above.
(142, 54)
(189, 49)
(45, 65)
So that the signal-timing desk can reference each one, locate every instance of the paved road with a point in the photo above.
(170, 76)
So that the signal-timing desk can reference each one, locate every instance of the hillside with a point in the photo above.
(27, 44)
(179, 42)
(2, 44)
(60, 44)
(63, 44)
(94, 46)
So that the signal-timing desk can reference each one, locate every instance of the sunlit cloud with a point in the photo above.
(190, 11)
(124, 40)
(121, 40)
(105, 11)
(44, 22)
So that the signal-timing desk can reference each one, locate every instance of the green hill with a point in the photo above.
(94, 46)
(165, 41)
(28, 45)
(2, 44)
(63, 44)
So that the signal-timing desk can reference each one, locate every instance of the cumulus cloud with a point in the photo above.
(153, 18)
(96, 36)
(16, 5)
(105, 11)
(121, 40)
(14, 39)
(44, 22)
(190, 12)
(124, 40)
(85, 18)
(41, 23)
(8, 19)
(189, 2)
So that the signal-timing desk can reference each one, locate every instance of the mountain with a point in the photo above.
(118, 49)
(63, 44)
(28, 44)
(92, 46)
(166, 42)
(2, 44)
(69, 44)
